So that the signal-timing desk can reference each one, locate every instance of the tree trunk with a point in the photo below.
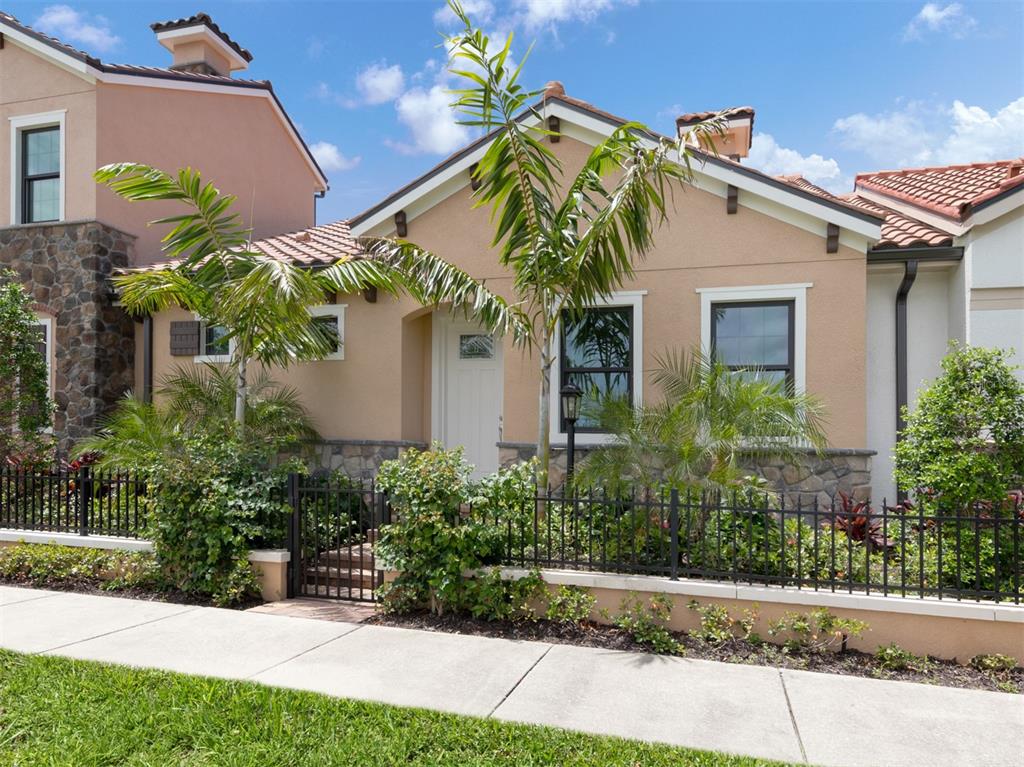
(240, 393)
(544, 416)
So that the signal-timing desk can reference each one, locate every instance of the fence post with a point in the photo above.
(294, 538)
(84, 499)
(673, 532)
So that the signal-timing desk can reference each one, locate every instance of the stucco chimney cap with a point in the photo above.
(554, 88)
(200, 28)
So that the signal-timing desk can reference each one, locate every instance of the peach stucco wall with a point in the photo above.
(29, 85)
(381, 390)
(237, 141)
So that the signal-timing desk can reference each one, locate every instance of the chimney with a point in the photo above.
(738, 126)
(1015, 169)
(198, 45)
(554, 88)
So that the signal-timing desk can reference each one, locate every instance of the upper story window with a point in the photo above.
(331, 317)
(40, 175)
(597, 355)
(755, 335)
(37, 168)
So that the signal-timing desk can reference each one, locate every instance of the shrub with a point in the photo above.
(892, 657)
(994, 662)
(815, 631)
(206, 504)
(508, 495)
(25, 406)
(717, 625)
(73, 566)
(492, 597)
(430, 543)
(964, 441)
(646, 622)
(570, 605)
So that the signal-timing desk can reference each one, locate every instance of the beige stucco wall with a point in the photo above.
(29, 85)
(235, 141)
(381, 390)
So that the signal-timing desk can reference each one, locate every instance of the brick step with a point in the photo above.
(339, 576)
(338, 591)
(349, 555)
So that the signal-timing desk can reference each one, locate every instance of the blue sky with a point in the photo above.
(838, 87)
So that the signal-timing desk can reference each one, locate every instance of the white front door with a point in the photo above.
(470, 391)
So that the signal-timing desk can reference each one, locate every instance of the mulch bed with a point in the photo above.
(851, 662)
(147, 595)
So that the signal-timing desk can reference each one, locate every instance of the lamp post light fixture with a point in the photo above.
(571, 396)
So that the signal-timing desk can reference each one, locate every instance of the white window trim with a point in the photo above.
(795, 292)
(21, 123)
(213, 359)
(631, 298)
(333, 310)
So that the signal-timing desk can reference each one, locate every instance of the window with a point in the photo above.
(331, 317)
(476, 346)
(45, 345)
(748, 335)
(214, 345)
(597, 356)
(762, 326)
(37, 168)
(40, 174)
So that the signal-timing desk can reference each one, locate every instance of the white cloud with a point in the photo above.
(431, 122)
(766, 155)
(480, 11)
(923, 134)
(932, 17)
(539, 14)
(379, 83)
(330, 157)
(315, 48)
(69, 25)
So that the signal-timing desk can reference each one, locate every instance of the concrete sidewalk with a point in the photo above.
(792, 716)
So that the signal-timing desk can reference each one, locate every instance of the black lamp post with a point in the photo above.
(571, 396)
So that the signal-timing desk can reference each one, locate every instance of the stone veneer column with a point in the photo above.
(66, 268)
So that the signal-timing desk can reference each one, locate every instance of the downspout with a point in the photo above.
(909, 275)
(147, 359)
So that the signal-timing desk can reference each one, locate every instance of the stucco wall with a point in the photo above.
(29, 85)
(235, 141)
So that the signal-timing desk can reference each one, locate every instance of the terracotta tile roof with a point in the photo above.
(950, 191)
(205, 20)
(691, 118)
(898, 230)
(317, 246)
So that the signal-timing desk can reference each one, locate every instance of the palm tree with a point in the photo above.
(568, 246)
(262, 302)
(711, 417)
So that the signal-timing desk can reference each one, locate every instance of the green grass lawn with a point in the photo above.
(55, 711)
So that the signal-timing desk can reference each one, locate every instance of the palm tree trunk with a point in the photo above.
(544, 418)
(240, 392)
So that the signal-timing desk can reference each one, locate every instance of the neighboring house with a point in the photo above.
(65, 114)
(949, 267)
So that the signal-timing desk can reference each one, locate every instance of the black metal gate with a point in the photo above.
(333, 529)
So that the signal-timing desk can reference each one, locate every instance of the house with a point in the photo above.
(777, 272)
(64, 114)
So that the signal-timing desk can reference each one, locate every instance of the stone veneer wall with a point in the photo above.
(358, 458)
(66, 267)
(814, 482)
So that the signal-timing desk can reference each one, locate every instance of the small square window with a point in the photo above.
(331, 318)
(476, 347)
(215, 341)
(755, 338)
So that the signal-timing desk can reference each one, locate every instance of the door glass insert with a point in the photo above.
(476, 346)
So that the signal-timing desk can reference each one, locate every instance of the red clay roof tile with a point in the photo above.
(951, 190)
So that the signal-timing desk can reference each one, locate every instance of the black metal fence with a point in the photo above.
(759, 540)
(83, 501)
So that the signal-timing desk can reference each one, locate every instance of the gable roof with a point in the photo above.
(953, 191)
(898, 230)
(740, 175)
(130, 74)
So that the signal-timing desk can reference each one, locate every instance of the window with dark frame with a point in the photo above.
(755, 336)
(330, 325)
(40, 175)
(215, 341)
(597, 356)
